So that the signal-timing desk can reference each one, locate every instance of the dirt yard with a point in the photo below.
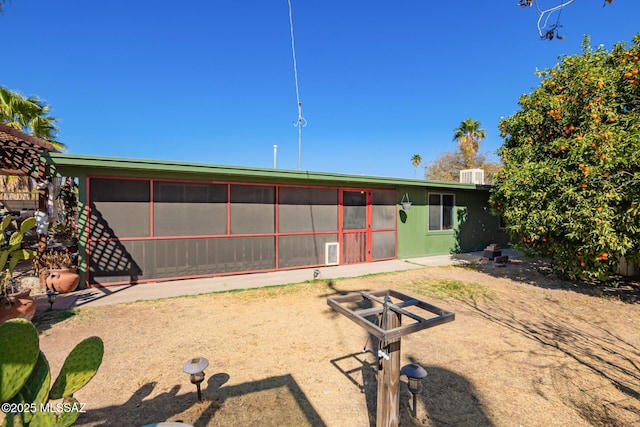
(525, 349)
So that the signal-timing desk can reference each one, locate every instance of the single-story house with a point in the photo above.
(148, 221)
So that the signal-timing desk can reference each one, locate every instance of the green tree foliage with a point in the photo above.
(469, 134)
(29, 115)
(568, 187)
(448, 165)
(416, 160)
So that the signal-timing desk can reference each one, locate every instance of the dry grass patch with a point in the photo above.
(517, 354)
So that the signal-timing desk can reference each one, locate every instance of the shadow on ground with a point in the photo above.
(273, 401)
(447, 399)
(600, 375)
(539, 273)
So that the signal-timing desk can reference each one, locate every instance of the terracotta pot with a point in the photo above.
(63, 280)
(20, 305)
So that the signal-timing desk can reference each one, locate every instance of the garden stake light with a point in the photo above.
(51, 297)
(415, 374)
(195, 368)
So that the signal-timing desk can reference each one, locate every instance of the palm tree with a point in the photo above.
(416, 159)
(469, 134)
(30, 115)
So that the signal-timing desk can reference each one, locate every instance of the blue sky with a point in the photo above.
(212, 81)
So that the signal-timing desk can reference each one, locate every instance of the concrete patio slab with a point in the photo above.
(149, 291)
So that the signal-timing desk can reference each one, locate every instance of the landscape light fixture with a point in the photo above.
(195, 368)
(415, 374)
(51, 297)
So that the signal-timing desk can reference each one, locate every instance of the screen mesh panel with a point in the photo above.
(354, 211)
(252, 209)
(383, 209)
(307, 209)
(383, 245)
(113, 261)
(203, 229)
(189, 209)
(119, 208)
(303, 250)
(116, 261)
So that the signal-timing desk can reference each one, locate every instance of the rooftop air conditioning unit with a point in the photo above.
(472, 176)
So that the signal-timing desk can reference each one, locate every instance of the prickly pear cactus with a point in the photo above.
(19, 349)
(25, 376)
(67, 418)
(78, 368)
(36, 389)
(4, 224)
(14, 250)
(44, 419)
(27, 224)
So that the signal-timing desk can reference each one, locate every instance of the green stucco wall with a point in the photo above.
(474, 226)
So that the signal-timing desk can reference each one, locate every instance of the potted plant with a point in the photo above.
(60, 272)
(67, 234)
(14, 302)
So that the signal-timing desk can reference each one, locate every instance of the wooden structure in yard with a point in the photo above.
(389, 306)
(20, 156)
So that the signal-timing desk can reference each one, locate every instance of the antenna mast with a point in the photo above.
(301, 122)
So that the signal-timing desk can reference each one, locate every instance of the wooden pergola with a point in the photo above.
(20, 153)
(20, 156)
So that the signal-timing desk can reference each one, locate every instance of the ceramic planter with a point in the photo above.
(19, 305)
(63, 280)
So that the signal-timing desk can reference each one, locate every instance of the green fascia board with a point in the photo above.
(66, 163)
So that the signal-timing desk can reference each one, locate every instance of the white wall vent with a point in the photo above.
(472, 176)
(332, 253)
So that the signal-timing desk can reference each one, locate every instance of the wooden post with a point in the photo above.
(388, 411)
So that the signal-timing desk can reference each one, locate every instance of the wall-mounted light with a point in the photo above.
(405, 202)
(195, 368)
(415, 374)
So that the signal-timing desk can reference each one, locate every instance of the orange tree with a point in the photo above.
(569, 187)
